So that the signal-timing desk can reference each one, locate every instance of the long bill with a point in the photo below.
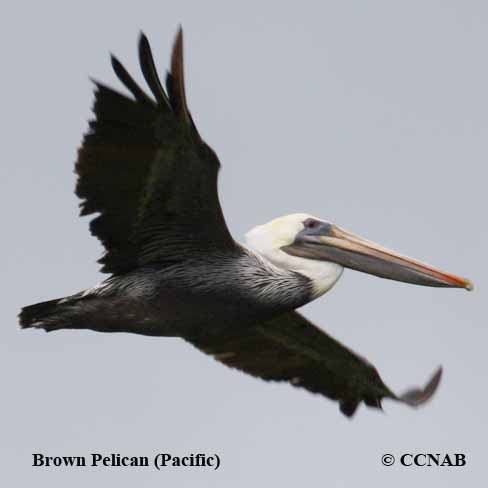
(351, 251)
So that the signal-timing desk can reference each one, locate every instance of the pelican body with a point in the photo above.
(175, 270)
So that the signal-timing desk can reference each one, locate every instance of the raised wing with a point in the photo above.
(144, 168)
(290, 348)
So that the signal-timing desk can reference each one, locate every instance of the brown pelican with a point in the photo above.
(176, 270)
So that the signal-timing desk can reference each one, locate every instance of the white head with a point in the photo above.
(267, 240)
(319, 250)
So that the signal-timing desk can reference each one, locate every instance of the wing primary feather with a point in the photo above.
(129, 82)
(348, 408)
(175, 81)
(149, 71)
(418, 396)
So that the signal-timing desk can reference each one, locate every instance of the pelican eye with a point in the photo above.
(311, 224)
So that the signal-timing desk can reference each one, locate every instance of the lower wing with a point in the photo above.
(290, 348)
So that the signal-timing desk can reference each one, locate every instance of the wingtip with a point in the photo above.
(114, 61)
(419, 396)
(178, 44)
(177, 79)
(179, 32)
(143, 42)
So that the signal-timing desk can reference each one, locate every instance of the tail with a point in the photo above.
(50, 315)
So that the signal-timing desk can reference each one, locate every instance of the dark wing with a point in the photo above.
(290, 348)
(144, 168)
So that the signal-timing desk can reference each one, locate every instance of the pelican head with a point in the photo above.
(320, 250)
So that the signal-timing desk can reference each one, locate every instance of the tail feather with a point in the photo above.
(45, 315)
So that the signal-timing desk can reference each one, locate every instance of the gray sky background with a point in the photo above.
(370, 114)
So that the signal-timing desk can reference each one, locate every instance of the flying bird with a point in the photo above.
(175, 269)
